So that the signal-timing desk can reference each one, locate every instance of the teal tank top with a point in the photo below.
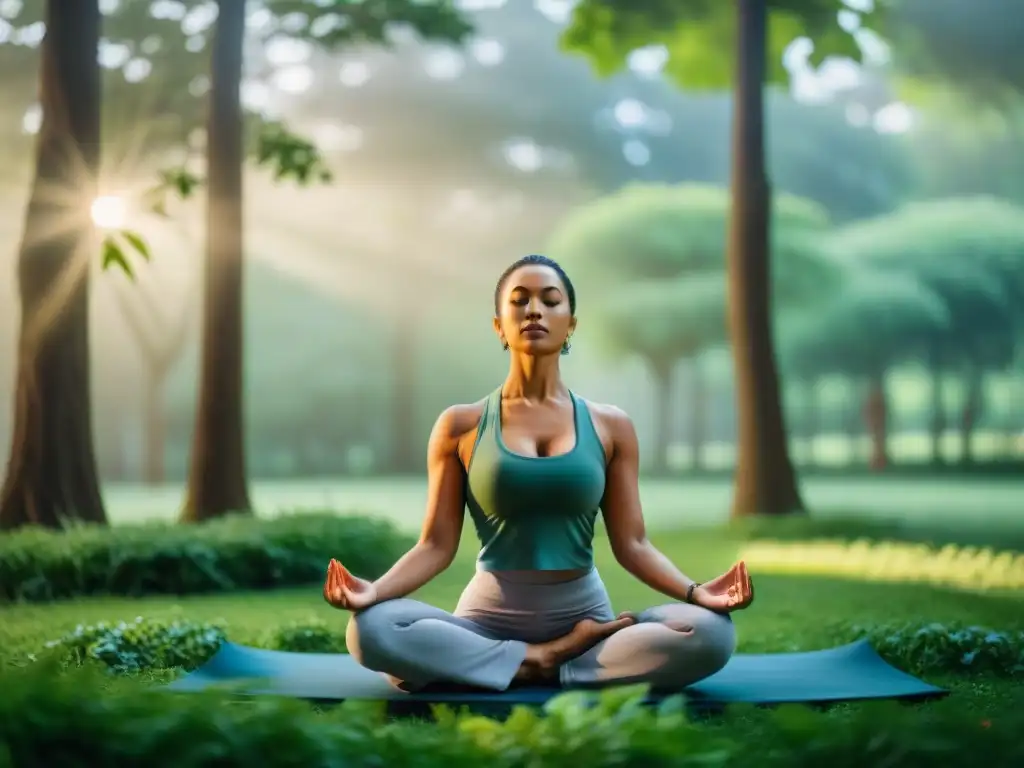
(535, 513)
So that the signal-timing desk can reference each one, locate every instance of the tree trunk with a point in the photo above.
(973, 405)
(698, 414)
(663, 415)
(876, 416)
(938, 414)
(51, 473)
(764, 480)
(406, 452)
(217, 476)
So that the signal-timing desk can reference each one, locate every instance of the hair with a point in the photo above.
(535, 260)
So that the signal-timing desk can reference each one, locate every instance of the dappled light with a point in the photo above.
(967, 568)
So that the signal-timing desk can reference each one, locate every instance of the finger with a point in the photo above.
(344, 575)
(748, 583)
(333, 575)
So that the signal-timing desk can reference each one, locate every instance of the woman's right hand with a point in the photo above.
(345, 591)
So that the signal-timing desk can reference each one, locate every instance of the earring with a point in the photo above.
(504, 345)
(566, 346)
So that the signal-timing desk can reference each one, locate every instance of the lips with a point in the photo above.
(534, 327)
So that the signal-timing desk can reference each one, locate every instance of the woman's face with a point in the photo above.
(534, 315)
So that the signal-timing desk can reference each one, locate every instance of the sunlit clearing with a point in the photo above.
(109, 212)
(967, 568)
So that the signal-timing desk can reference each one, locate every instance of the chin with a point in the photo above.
(538, 348)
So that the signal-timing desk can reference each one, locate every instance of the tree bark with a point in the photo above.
(876, 417)
(51, 473)
(217, 482)
(764, 481)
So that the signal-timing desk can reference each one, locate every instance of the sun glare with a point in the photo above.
(108, 212)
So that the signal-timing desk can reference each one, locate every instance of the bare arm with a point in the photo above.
(624, 518)
(442, 528)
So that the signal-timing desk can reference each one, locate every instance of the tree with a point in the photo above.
(51, 474)
(957, 260)
(666, 322)
(658, 253)
(696, 32)
(217, 479)
(875, 322)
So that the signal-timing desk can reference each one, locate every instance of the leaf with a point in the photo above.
(700, 35)
(136, 241)
(113, 256)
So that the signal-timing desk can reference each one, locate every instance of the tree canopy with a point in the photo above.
(699, 35)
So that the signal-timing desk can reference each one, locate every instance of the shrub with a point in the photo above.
(81, 718)
(233, 553)
(139, 646)
(312, 636)
(147, 645)
(939, 648)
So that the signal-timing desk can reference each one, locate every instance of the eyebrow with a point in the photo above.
(542, 290)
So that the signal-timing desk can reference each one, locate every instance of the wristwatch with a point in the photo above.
(689, 591)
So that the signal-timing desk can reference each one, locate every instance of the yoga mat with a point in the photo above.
(847, 673)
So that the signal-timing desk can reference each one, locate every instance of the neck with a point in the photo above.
(533, 378)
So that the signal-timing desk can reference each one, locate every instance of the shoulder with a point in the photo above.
(457, 421)
(613, 425)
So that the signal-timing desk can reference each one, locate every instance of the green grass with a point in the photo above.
(790, 613)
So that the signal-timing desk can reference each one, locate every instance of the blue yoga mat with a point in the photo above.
(848, 673)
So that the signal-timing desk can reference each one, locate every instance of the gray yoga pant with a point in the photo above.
(484, 642)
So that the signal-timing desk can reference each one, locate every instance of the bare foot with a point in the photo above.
(543, 659)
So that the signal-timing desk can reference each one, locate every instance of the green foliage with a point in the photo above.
(957, 263)
(234, 553)
(657, 231)
(153, 645)
(657, 254)
(334, 25)
(941, 648)
(970, 45)
(670, 319)
(85, 718)
(308, 636)
(138, 646)
(875, 322)
(700, 35)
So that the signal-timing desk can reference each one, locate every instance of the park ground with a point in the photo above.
(793, 611)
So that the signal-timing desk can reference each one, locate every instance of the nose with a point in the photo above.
(533, 310)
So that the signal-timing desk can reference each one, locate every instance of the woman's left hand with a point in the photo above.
(732, 591)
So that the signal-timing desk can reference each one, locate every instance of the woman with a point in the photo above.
(533, 462)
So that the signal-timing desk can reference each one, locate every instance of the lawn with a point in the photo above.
(801, 604)
(791, 612)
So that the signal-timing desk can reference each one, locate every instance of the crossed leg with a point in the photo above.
(416, 644)
(670, 647)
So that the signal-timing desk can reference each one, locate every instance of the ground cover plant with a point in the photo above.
(82, 669)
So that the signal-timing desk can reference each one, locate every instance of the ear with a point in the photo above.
(572, 324)
(496, 322)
